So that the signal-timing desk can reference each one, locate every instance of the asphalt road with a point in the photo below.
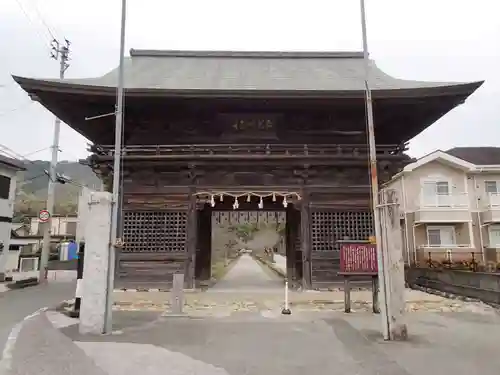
(16, 304)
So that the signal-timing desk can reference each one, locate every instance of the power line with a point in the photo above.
(35, 6)
(36, 152)
(44, 39)
(22, 183)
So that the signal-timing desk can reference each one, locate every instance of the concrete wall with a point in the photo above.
(483, 286)
(60, 225)
(12, 262)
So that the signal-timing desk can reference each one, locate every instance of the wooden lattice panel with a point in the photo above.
(154, 231)
(327, 227)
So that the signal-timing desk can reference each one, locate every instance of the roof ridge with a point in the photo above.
(246, 54)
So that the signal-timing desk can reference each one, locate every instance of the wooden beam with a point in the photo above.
(191, 238)
(305, 231)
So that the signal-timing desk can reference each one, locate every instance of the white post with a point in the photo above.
(95, 267)
(286, 309)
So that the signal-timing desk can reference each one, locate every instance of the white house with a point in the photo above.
(8, 170)
(450, 205)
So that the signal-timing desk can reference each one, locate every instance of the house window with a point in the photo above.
(436, 188)
(494, 233)
(436, 193)
(441, 236)
(4, 187)
(491, 187)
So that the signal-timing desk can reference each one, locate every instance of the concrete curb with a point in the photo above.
(152, 290)
(24, 283)
(10, 344)
(270, 265)
(5, 362)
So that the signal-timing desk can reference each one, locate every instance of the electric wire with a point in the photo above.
(26, 15)
(42, 19)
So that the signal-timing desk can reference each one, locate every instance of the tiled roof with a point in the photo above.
(250, 71)
(477, 155)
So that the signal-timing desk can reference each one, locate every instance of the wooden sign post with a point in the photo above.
(358, 258)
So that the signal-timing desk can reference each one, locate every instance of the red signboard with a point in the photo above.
(358, 258)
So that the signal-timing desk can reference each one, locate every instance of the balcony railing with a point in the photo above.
(455, 200)
(492, 201)
(443, 246)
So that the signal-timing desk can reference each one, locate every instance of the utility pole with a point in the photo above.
(382, 276)
(119, 115)
(59, 52)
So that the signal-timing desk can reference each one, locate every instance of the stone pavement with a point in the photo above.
(247, 343)
(248, 275)
(252, 287)
(206, 303)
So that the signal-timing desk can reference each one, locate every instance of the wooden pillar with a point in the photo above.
(290, 227)
(204, 244)
(305, 232)
(191, 239)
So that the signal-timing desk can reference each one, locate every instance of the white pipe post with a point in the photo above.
(374, 182)
(116, 177)
(286, 309)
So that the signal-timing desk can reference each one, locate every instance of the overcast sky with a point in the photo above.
(443, 40)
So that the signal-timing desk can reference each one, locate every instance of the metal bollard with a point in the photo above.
(79, 282)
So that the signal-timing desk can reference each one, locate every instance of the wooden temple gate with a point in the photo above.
(166, 222)
(207, 121)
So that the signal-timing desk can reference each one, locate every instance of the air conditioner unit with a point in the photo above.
(28, 264)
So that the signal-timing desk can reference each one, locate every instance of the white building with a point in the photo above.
(8, 170)
(450, 205)
(62, 226)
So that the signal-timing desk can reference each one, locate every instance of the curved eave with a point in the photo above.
(32, 86)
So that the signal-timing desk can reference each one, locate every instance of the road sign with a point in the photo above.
(43, 216)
